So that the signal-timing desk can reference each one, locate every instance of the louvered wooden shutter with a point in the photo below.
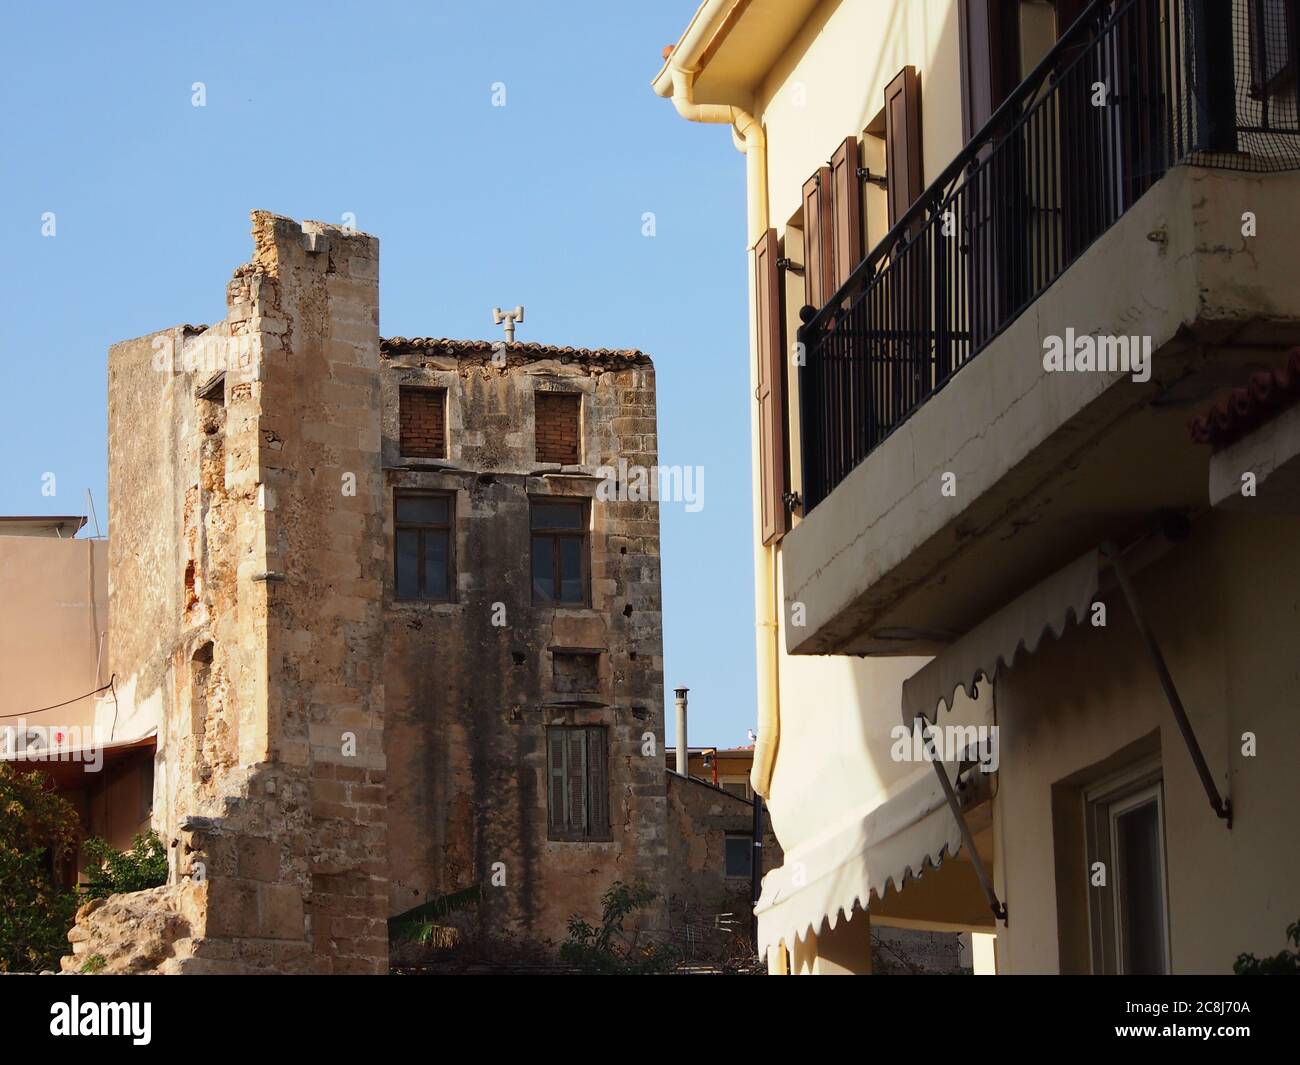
(598, 781)
(818, 239)
(557, 788)
(903, 142)
(771, 390)
(576, 779)
(846, 213)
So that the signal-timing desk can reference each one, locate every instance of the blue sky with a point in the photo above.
(384, 110)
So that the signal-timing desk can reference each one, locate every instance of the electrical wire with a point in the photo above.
(4, 717)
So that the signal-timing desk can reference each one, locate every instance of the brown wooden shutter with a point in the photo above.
(555, 779)
(598, 780)
(846, 213)
(771, 390)
(818, 239)
(903, 142)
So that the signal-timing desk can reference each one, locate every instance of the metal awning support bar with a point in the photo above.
(999, 908)
(1222, 806)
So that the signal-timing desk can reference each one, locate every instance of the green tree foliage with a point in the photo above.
(113, 872)
(607, 949)
(38, 829)
(1287, 963)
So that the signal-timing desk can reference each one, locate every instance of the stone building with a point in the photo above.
(397, 636)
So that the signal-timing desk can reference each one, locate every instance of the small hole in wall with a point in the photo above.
(191, 593)
(519, 657)
(632, 655)
(627, 611)
(622, 550)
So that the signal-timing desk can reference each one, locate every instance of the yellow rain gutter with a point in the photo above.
(677, 81)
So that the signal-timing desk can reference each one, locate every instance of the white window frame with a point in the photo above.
(1109, 799)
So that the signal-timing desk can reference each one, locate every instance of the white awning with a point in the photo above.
(996, 641)
(911, 827)
(892, 840)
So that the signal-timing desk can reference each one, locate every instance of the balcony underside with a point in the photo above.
(1047, 465)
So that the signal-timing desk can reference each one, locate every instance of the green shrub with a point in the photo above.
(1287, 963)
(38, 829)
(607, 950)
(114, 872)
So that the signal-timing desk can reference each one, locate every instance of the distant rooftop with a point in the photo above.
(55, 526)
(522, 351)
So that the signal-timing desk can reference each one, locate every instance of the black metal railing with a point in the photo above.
(1133, 88)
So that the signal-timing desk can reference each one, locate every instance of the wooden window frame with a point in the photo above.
(594, 827)
(422, 527)
(557, 535)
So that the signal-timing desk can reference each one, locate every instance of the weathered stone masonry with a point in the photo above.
(252, 470)
(469, 698)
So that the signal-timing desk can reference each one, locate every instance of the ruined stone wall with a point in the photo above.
(699, 818)
(469, 700)
(252, 471)
(246, 590)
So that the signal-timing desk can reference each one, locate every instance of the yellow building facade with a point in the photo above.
(1084, 600)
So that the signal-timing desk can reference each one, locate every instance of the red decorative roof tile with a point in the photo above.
(1262, 398)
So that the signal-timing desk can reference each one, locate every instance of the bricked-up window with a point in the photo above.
(575, 671)
(558, 420)
(423, 422)
(577, 782)
(559, 529)
(423, 545)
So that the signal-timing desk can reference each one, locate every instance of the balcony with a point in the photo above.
(1120, 192)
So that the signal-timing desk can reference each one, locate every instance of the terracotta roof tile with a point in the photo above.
(1262, 398)
(520, 350)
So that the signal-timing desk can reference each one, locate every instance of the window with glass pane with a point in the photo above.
(559, 531)
(423, 546)
(1126, 856)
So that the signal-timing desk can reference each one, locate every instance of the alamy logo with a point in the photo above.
(1101, 354)
(51, 743)
(103, 1018)
(949, 743)
(646, 484)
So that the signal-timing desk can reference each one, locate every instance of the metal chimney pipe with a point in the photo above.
(683, 752)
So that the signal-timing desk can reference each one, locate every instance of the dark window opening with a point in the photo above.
(1272, 45)
(739, 855)
(423, 546)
